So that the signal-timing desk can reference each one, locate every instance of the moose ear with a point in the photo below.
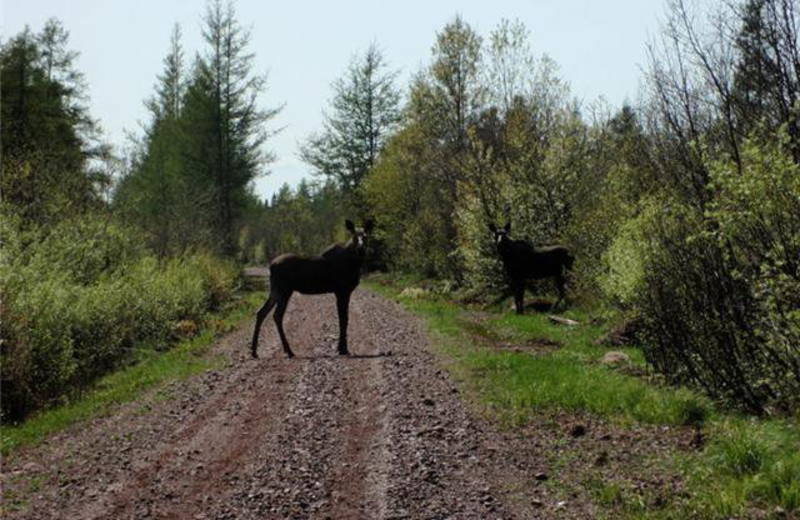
(507, 227)
(492, 227)
(350, 226)
(369, 224)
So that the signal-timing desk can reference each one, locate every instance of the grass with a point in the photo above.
(150, 368)
(567, 378)
(749, 466)
(748, 461)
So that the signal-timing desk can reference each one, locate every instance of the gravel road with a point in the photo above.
(383, 433)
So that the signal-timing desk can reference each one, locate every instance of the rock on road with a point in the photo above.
(383, 433)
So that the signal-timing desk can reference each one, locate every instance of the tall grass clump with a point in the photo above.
(79, 297)
(748, 462)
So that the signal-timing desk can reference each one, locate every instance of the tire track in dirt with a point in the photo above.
(197, 460)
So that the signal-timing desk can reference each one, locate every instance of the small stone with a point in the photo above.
(537, 503)
(428, 401)
(615, 357)
(541, 476)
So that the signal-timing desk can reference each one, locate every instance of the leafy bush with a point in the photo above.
(77, 302)
(720, 296)
(624, 261)
(84, 249)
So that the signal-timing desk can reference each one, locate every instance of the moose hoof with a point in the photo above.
(344, 352)
(290, 355)
(254, 354)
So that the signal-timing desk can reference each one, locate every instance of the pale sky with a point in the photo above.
(305, 45)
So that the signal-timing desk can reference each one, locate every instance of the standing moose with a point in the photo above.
(337, 270)
(524, 262)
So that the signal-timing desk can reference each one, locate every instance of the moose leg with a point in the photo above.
(519, 295)
(560, 286)
(282, 302)
(342, 306)
(260, 316)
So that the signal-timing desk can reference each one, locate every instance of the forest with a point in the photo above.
(682, 208)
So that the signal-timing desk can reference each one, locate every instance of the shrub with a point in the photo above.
(78, 301)
(720, 295)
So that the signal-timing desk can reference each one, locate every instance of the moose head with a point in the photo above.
(500, 234)
(358, 240)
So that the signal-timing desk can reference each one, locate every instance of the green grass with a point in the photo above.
(521, 383)
(748, 461)
(749, 467)
(150, 368)
(566, 378)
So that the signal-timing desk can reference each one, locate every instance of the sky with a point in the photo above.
(305, 45)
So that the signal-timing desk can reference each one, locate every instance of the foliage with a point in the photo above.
(189, 184)
(77, 301)
(47, 134)
(729, 322)
(305, 220)
(364, 113)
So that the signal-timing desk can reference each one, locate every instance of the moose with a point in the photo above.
(337, 270)
(524, 262)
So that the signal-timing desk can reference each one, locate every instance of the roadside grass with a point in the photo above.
(149, 367)
(567, 378)
(748, 461)
(748, 467)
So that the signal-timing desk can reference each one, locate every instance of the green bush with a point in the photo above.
(80, 300)
(83, 250)
(720, 292)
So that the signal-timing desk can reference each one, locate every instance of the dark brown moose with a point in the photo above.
(337, 270)
(524, 262)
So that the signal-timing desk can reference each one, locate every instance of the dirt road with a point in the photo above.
(384, 433)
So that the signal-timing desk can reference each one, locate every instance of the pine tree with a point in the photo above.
(364, 111)
(227, 90)
(47, 133)
(153, 195)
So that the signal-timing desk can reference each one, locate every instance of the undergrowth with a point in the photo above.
(150, 367)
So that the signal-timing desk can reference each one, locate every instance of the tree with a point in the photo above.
(153, 194)
(47, 133)
(766, 84)
(233, 132)
(364, 111)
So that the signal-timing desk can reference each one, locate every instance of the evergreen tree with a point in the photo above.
(364, 110)
(226, 88)
(47, 133)
(153, 195)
